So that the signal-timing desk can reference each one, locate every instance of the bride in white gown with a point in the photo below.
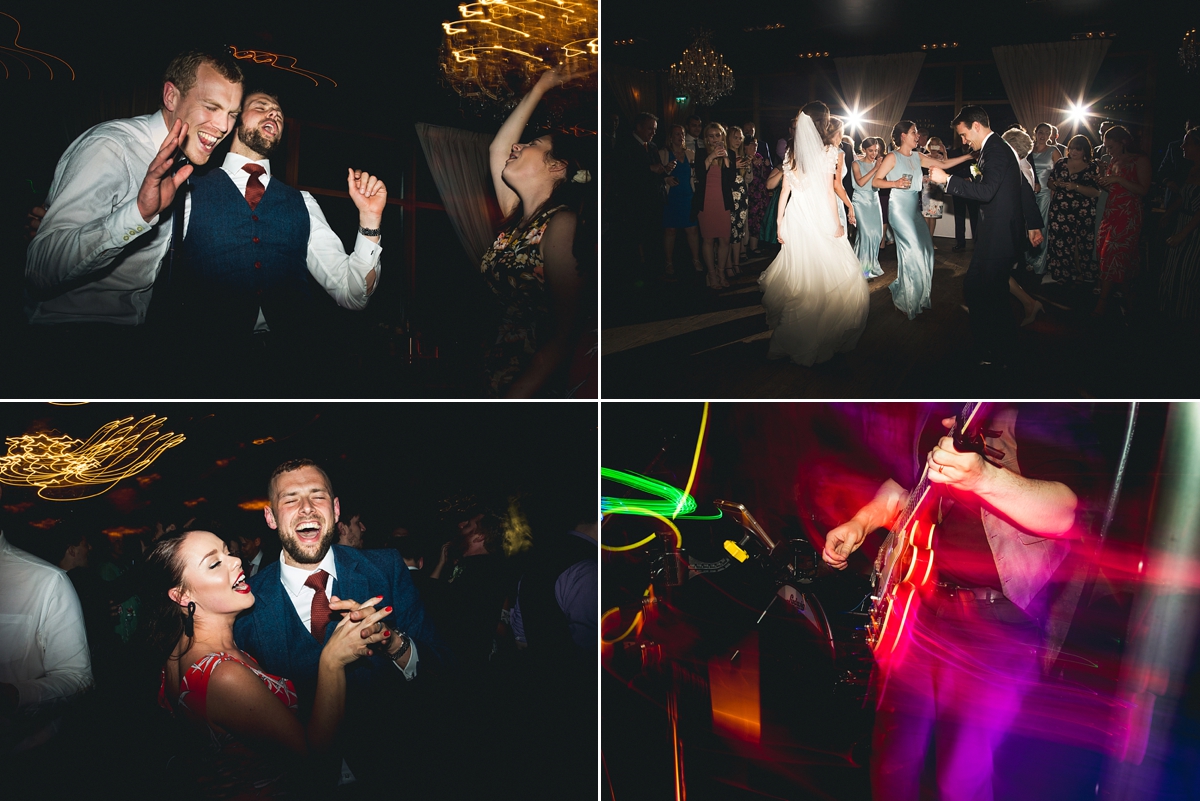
(814, 293)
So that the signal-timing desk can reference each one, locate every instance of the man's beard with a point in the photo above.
(254, 140)
(292, 546)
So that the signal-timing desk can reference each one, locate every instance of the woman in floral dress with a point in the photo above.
(535, 267)
(759, 194)
(739, 214)
(1072, 216)
(1127, 182)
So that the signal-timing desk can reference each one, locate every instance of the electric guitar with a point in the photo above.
(904, 563)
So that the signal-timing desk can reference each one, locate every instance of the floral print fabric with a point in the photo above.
(1072, 225)
(1120, 228)
(513, 269)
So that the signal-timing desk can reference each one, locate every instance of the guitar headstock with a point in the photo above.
(968, 433)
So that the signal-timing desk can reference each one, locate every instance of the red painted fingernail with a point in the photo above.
(387, 634)
(387, 609)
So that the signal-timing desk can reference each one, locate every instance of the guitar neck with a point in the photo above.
(962, 422)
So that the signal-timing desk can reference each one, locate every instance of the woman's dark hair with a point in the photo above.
(162, 572)
(1121, 134)
(902, 127)
(865, 145)
(1084, 144)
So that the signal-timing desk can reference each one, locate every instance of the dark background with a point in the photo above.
(385, 60)
(400, 465)
(1140, 81)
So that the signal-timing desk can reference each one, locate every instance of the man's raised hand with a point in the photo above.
(369, 195)
(159, 186)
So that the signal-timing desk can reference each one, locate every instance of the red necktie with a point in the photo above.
(254, 187)
(316, 580)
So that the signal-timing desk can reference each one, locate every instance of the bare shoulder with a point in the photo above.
(560, 225)
(232, 679)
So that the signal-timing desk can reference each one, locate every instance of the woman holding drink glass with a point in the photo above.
(914, 243)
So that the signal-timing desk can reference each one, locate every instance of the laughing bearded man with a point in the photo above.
(251, 244)
(315, 581)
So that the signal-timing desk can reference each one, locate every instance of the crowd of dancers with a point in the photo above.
(732, 198)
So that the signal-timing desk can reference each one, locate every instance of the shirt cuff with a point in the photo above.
(126, 224)
(409, 672)
(368, 253)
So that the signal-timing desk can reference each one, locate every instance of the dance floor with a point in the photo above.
(678, 339)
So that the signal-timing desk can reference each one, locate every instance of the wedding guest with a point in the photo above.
(1179, 289)
(91, 269)
(642, 178)
(760, 147)
(1102, 159)
(735, 141)
(785, 143)
(914, 244)
(248, 715)
(540, 267)
(713, 202)
(1072, 219)
(44, 659)
(867, 212)
(933, 201)
(677, 214)
(849, 154)
(1174, 168)
(841, 182)
(768, 233)
(1043, 157)
(694, 139)
(1022, 144)
(760, 171)
(1126, 181)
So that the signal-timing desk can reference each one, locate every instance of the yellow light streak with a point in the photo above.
(695, 460)
(256, 505)
(497, 48)
(648, 513)
(60, 465)
(272, 59)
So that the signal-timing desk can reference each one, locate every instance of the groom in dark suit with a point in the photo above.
(299, 599)
(1009, 222)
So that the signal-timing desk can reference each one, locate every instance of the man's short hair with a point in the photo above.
(971, 115)
(695, 117)
(642, 117)
(290, 466)
(183, 69)
(259, 90)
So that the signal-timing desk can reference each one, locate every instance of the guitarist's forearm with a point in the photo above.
(883, 509)
(1045, 508)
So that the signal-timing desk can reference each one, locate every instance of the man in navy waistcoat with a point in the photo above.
(251, 242)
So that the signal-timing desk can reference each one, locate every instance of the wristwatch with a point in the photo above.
(369, 231)
(403, 647)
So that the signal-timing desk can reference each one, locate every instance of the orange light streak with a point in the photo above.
(22, 49)
(272, 59)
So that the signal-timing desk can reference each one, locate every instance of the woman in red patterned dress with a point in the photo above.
(248, 717)
(1127, 181)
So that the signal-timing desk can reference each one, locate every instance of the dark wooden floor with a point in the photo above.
(1066, 353)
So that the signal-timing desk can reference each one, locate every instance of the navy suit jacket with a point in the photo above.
(272, 633)
(1008, 209)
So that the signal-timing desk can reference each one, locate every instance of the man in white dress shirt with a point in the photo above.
(44, 658)
(90, 269)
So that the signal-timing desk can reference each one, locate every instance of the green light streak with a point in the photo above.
(673, 499)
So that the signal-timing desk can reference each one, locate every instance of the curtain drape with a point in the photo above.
(1042, 80)
(635, 91)
(879, 88)
(458, 161)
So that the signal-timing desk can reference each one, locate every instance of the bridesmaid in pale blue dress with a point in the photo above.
(867, 208)
(1043, 158)
(914, 244)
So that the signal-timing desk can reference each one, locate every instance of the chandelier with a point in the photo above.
(1189, 58)
(498, 48)
(701, 73)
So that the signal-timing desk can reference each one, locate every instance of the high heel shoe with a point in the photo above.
(697, 266)
(1038, 308)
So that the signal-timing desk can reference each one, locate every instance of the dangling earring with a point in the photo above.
(189, 626)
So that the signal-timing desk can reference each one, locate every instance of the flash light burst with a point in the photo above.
(67, 469)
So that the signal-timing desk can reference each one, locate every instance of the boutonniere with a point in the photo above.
(976, 172)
